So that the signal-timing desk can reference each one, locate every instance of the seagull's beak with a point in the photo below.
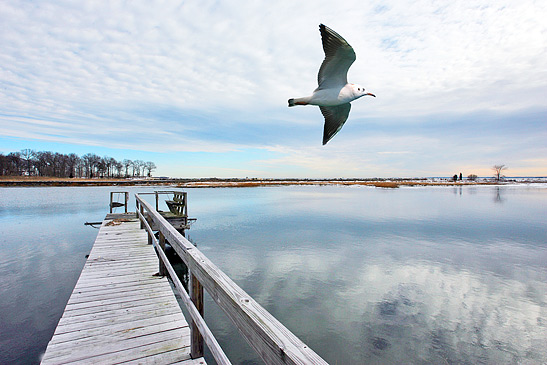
(370, 94)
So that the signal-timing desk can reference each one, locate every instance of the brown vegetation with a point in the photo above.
(222, 183)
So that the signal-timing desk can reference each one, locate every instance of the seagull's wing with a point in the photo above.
(339, 56)
(335, 117)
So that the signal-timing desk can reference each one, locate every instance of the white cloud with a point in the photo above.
(90, 68)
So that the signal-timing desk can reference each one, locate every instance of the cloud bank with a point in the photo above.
(203, 77)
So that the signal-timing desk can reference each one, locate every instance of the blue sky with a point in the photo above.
(201, 87)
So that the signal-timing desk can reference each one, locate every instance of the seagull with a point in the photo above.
(334, 93)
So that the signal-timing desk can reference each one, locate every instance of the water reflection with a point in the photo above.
(420, 278)
(362, 275)
(497, 196)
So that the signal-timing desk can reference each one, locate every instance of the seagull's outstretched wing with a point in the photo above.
(339, 56)
(335, 117)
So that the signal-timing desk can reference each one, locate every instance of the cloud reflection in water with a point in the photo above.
(361, 278)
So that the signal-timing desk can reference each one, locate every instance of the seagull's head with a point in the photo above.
(359, 91)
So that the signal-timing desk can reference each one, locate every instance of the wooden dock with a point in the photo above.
(122, 312)
(119, 312)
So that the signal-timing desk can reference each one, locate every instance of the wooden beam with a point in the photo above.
(162, 269)
(196, 294)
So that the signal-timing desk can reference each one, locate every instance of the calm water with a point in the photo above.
(362, 275)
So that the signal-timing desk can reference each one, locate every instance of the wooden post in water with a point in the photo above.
(196, 294)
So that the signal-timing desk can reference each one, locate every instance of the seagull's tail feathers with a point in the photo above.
(291, 102)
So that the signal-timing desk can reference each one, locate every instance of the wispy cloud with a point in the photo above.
(204, 76)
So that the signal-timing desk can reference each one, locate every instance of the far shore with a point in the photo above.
(37, 181)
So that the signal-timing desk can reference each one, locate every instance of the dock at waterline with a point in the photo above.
(119, 311)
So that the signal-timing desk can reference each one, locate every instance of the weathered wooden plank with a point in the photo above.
(108, 260)
(84, 350)
(110, 307)
(119, 315)
(143, 292)
(177, 359)
(128, 264)
(92, 299)
(105, 322)
(115, 273)
(118, 270)
(115, 330)
(116, 353)
(123, 286)
(113, 281)
(128, 334)
(116, 300)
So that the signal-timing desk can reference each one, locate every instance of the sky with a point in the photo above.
(200, 88)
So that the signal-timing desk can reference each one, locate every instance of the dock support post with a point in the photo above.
(161, 241)
(142, 212)
(196, 294)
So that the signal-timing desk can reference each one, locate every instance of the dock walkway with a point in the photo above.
(119, 312)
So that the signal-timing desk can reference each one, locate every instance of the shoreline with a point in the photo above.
(239, 183)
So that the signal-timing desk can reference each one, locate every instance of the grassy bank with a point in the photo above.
(24, 181)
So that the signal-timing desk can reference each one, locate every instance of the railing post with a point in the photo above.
(126, 200)
(196, 294)
(111, 196)
(142, 212)
(162, 269)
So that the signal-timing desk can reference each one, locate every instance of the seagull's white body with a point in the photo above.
(334, 93)
(331, 96)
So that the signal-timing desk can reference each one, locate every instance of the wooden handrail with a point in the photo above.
(272, 341)
(197, 318)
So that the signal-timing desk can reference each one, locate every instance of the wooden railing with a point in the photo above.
(272, 341)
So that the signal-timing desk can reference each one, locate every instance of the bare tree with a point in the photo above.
(137, 166)
(27, 155)
(149, 166)
(126, 164)
(73, 161)
(91, 162)
(15, 163)
(46, 163)
(3, 163)
(497, 171)
(118, 166)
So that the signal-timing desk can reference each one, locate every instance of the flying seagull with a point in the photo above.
(334, 94)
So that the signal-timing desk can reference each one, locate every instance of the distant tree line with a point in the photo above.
(29, 162)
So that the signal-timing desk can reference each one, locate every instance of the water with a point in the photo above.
(360, 274)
